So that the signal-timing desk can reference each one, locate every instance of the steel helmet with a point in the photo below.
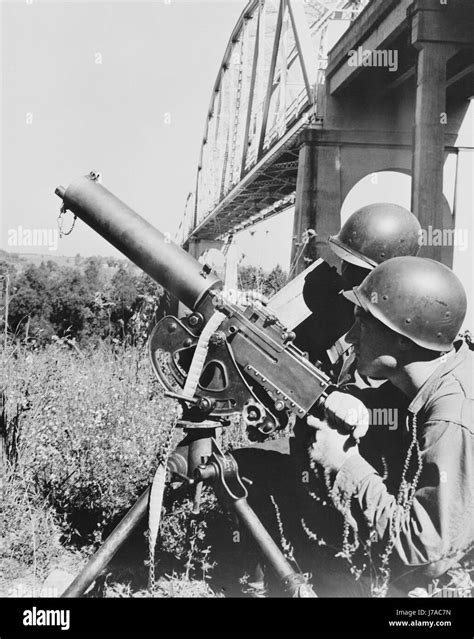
(376, 233)
(416, 297)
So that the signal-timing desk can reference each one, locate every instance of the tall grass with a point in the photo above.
(83, 428)
(82, 432)
(30, 533)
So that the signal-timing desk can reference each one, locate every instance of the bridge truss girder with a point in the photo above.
(267, 83)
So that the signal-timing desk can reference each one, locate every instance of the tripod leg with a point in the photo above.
(111, 545)
(177, 463)
(223, 470)
(292, 582)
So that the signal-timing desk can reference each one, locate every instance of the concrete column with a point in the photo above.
(317, 203)
(329, 200)
(198, 247)
(305, 206)
(428, 138)
(463, 262)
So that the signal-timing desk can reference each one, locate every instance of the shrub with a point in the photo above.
(30, 531)
(83, 431)
(88, 301)
(257, 279)
(88, 428)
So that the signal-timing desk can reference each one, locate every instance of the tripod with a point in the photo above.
(198, 459)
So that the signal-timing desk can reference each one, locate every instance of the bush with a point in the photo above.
(30, 531)
(83, 431)
(88, 302)
(253, 278)
(88, 428)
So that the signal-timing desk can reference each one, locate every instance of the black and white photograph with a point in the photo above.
(236, 315)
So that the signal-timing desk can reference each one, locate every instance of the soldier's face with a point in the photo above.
(375, 345)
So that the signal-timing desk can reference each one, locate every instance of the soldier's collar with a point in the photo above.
(420, 399)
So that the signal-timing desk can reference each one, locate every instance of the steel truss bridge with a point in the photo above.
(265, 93)
(292, 121)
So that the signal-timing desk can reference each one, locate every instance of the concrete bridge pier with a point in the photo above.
(428, 136)
(317, 202)
(198, 247)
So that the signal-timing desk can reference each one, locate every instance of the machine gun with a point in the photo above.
(217, 360)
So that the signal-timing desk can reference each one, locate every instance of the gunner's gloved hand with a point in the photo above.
(335, 437)
(347, 413)
(329, 447)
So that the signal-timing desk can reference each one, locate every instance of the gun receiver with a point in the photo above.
(219, 359)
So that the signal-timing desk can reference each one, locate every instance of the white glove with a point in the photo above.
(346, 412)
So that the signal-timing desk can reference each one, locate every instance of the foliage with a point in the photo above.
(94, 299)
(257, 279)
(30, 532)
(83, 429)
(184, 534)
(169, 586)
(87, 428)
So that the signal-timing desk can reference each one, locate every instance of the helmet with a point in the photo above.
(416, 297)
(376, 233)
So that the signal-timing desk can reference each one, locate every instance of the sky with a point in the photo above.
(117, 87)
(122, 88)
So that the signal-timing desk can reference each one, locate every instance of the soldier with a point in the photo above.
(406, 492)
(370, 236)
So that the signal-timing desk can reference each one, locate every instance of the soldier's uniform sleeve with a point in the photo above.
(438, 529)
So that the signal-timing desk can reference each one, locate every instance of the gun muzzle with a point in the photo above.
(163, 260)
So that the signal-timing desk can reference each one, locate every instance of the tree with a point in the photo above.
(30, 304)
(93, 273)
(277, 278)
(70, 302)
(123, 294)
(253, 278)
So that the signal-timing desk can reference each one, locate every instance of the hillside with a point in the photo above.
(21, 260)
